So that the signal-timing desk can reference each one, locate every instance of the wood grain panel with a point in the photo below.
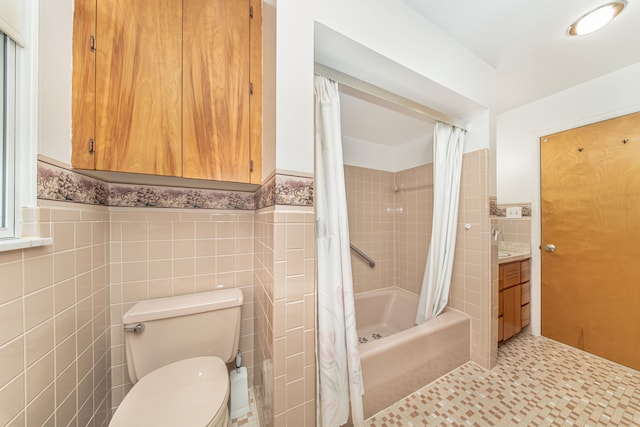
(512, 312)
(590, 204)
(83, 94)
(216, 137)
(526, 293)
(511, 274)
(525, 270)
(139, 86)
(525, 316)
(255, 104)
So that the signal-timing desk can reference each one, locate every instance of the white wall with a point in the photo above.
(366, 154)
(268, 88)
(519, 130)
(54, 79)
(369, 155)
(395, 31)
(389, 28)
(414, 153)
(518, 154)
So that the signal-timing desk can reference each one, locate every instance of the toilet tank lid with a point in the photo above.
(182, 305)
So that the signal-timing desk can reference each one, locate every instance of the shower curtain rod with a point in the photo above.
(369, 89)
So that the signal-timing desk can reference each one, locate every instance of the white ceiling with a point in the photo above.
(369, 119)
(524, 40)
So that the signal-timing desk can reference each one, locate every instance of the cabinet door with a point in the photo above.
(139, 86)
(216, 139)
(511, 274)
(83, 94)
(512, 311)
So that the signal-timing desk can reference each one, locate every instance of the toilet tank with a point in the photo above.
(180, 327)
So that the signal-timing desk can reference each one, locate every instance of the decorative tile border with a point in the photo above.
(265, 196)
(186, 198)
(55, 183)
(493, 206)
(501, 210)
(526, 209)
(60, 184)
(294, 190)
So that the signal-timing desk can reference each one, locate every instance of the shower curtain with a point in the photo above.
(448, 142)
(338, 360)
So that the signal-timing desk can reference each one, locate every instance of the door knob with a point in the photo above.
(550, 247)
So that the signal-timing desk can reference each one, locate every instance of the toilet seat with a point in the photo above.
(191, 392)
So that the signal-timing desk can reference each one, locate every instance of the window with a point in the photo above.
(7, 137)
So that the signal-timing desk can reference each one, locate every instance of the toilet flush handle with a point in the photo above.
(138, 329)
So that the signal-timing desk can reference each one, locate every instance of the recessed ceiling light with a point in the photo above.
(596, 19)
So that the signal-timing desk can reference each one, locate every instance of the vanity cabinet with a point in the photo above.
(168, 87)
(513, 298)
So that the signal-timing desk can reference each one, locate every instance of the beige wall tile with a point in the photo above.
(64, 266)
(38, 307)
(63, 236)
(134, 231)
(11, 361)
(295, 393)
(38, 273)
(11, 321)
(66, 411)
(11, 273)
(12, 398)
(39, 376)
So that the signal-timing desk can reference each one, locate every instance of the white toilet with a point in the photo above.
(176, 349)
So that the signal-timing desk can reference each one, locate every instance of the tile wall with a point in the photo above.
(370, 194)
(263, 289)
(517, 230)
(370, 203)
(285, 315)
(390, 219)
(414, 215)
(471, 286)
(54, 310)
(161, 253)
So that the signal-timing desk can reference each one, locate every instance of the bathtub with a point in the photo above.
(399, 357)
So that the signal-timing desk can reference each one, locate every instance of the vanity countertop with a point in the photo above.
(505, 256)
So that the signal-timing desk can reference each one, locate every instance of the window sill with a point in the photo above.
(24, 242)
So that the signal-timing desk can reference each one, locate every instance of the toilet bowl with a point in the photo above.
(192, 392)
(176, 349)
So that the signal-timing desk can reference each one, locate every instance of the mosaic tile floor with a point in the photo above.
(537, 382)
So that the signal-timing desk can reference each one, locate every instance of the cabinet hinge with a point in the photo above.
(251, 166)
(250, 88)
(92, 43)
(92, 146)
(250, 11)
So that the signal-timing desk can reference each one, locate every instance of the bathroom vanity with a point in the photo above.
(513, 295)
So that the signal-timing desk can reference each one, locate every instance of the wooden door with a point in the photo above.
(139, 86)
(590, 212)
(216, 138)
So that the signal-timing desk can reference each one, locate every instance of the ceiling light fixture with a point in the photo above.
(596, 19)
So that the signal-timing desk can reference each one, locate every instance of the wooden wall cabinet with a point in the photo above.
(169, 87)
(513, 298)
